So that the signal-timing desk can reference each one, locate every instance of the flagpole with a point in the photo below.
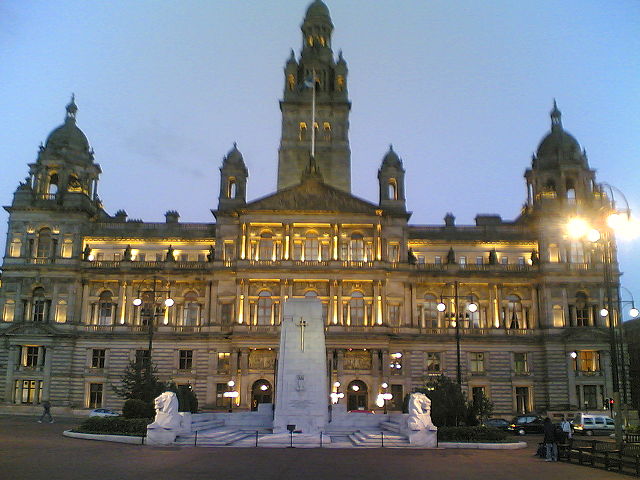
(313, 114)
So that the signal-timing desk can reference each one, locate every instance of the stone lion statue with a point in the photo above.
(167, 415)
(419, 412)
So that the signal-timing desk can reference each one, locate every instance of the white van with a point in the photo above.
(588, 424)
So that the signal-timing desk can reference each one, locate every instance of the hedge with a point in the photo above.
(471, 434)
(114, 426)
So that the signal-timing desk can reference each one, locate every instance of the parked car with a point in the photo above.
(588, 424)
(524, 424)
(103, 412)
(499, 423)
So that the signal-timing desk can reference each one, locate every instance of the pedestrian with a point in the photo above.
(550, 441)
(566, 428)
(46, 411)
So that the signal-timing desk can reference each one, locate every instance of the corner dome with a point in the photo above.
(391, 159)
(558, 147)
(68, 135)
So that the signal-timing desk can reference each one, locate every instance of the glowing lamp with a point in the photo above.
(137, 302)
(441, 307)
(604, 312)
(634, 312)
(169, 302)
(472, 307)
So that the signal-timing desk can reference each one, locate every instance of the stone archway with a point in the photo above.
(357, 396)
(261, 392)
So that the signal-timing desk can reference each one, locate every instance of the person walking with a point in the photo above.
(566, 428)
(550, 441)
(46, 411)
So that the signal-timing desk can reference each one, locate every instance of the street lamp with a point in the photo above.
(384, 397)
(337, 395)
(152, 300)
(231, 394)
(455, 318)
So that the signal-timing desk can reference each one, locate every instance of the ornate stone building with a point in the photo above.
(518, 296)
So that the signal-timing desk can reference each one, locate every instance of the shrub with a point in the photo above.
(187, 399)
(133, 408)
(470, 434)
(114, 426)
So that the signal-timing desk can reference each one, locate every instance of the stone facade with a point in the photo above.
(71, 273)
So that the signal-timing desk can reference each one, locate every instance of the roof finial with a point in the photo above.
(556, 117)
(391, 147)
(72, 108)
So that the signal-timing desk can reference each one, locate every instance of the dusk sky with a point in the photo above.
(462, 89)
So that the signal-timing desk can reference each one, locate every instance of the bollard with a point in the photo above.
(256, 438)
(382, 438)
(320, 439)
(195, 442)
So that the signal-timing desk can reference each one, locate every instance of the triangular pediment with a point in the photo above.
(312, 196)
(30, 328)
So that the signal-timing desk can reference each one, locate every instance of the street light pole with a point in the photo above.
(457, 317)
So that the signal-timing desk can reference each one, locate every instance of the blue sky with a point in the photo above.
(462, 89)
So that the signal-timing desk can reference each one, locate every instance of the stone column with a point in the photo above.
(84, 315)
(534, 317)
(46, 371)
(121, 302)
(571, 384)
(128, 307)
(12, 362)
(340, 369)
(568, 321)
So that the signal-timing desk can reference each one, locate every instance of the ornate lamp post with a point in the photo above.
(153, 301)
(337, 394)
(455, 317)
(231, 394)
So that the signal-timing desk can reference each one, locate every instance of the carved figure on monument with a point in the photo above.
(420, 413)
(262, 360)
(86, 252)
(170, 257)
(211, 256)
(126, 256)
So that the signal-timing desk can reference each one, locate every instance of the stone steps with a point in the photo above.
(375, 439)
(391, 426)
(208, 424)
(213, 438)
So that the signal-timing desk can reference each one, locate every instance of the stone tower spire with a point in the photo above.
(316, 66)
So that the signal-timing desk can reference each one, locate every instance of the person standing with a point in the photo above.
(46, 411)
(566, 428)
(550, 441)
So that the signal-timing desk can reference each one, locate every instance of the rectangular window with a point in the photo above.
(479, 260)
(159, 257)
(521, 261)
(226, 313)
(462, 260)
(394, 252)
(582, 316)
(142, 356)
(39, 310)
(95, 395)
(28, 391)
(397, 397)
(16, 248)
(229, 251)
(224, 362)
(558, 316)
(437, 260)
(476, 362)
(186, 360)
(183, 257)
(504, 260)
(67, 248)
(420, 259)
(520, 364)
(141, 257)
(98, 357)
(201, 257)
(589, 361)
(522, 400)
(8, 311)
(394, 315)
(221, 401)
(30, 356)
(590, 396)
(117, 257)
(433, 362)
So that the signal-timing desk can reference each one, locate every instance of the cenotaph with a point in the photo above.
(302, 394)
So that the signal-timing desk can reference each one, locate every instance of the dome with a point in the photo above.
(558, 147)
(317, 9)
(68, 135)
(391, 159)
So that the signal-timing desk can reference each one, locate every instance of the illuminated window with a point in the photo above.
(558, 316)
(302, 134)
(392, 189)
(266, 246)
(356, 309)
(61, 311)
(39, 307)
(16, 247)
(322, 40)
(554, 253)
(232, 188)
(8, 310)
(582, 310)
(513, 315)
(504, 260)
(588, 361)
(28, 391)
(95, 395)
(433, 362)
(327, 131)
(340, 83)
(30, 356)
(224, 362)
(291, 82)
(310, 40)
(430, 311)
(520, 363)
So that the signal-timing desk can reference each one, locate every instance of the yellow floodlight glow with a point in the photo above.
(578, 227)
(593, 235)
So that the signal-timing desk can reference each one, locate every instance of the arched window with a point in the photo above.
(232, 188)
(430, 311)
(302, 133)
(392, 189)
(53, 184)
(265, 307)
(105, 308)
(311, 246)
(340, 82)
(61, 311)
(571, 192)
(356, 247)
(513, 315)
(582, 310)
(8, 310)
(74, 184)
(356, 309)
(310, 294)
(190, 310)
(266, 246)
(474, 317)
(39, 307)
(357, 393)
(327, 131)
(291, 82)
(44, 243)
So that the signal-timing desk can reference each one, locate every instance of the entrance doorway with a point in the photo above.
(261, 392)
(357, 395)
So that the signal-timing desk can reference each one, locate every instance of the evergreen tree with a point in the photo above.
(140, 382)
(448, 406)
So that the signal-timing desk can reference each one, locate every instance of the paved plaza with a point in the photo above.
(33, 451)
